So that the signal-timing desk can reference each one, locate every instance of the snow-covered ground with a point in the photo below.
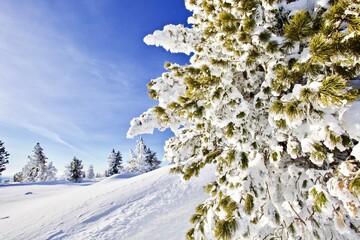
(155, 205)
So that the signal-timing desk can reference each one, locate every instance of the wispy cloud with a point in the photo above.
(68, 74)
(49, 134)
(53, 86)
(49, 79)
(55, 137)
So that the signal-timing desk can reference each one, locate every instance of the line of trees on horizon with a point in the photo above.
(38, 169)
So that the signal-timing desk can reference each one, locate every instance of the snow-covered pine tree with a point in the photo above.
(4, 157)
(74, 170)
(133, 164)
(142, 159)
(263, 99)
(35, 170)
(18, 177)
(50, 172)
(115, 163)
(152, 160)
(90, 173)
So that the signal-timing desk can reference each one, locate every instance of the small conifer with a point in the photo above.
(74, 170)
(4, 157)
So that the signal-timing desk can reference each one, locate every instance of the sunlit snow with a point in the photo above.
(154, 205)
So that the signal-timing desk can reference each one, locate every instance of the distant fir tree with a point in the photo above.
(152, 160)
(50, 172)
(142, 159)
(133, 163)
(74, 171)
(18, 177)
(115, 163)
(263, 99)
(90, 173)
(36, 169)
(98, 175)
(4, 157)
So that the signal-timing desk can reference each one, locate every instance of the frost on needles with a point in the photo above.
(263, 99)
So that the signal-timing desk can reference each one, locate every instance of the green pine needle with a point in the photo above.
(299, 27)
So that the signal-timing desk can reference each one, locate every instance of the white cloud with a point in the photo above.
(48, 80)
(53, 86)
(63, 84)
(55, 137)
(48, 134)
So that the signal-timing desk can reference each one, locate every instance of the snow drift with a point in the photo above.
(154, 205)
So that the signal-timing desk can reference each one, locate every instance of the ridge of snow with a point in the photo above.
(155, 205)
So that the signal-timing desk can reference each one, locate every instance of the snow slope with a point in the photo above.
(154, 205)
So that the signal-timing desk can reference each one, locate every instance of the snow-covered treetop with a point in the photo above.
(37, 168)
(263, 98)
(38, 154)
(142, 159)
(115, 163)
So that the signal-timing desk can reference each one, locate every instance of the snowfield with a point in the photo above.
(155, 205)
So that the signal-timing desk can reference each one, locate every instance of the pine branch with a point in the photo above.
(298, 217)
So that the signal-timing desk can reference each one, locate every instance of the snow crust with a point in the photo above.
(351, 120)
(154, 206)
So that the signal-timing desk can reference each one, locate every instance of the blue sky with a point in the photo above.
(73, 74)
